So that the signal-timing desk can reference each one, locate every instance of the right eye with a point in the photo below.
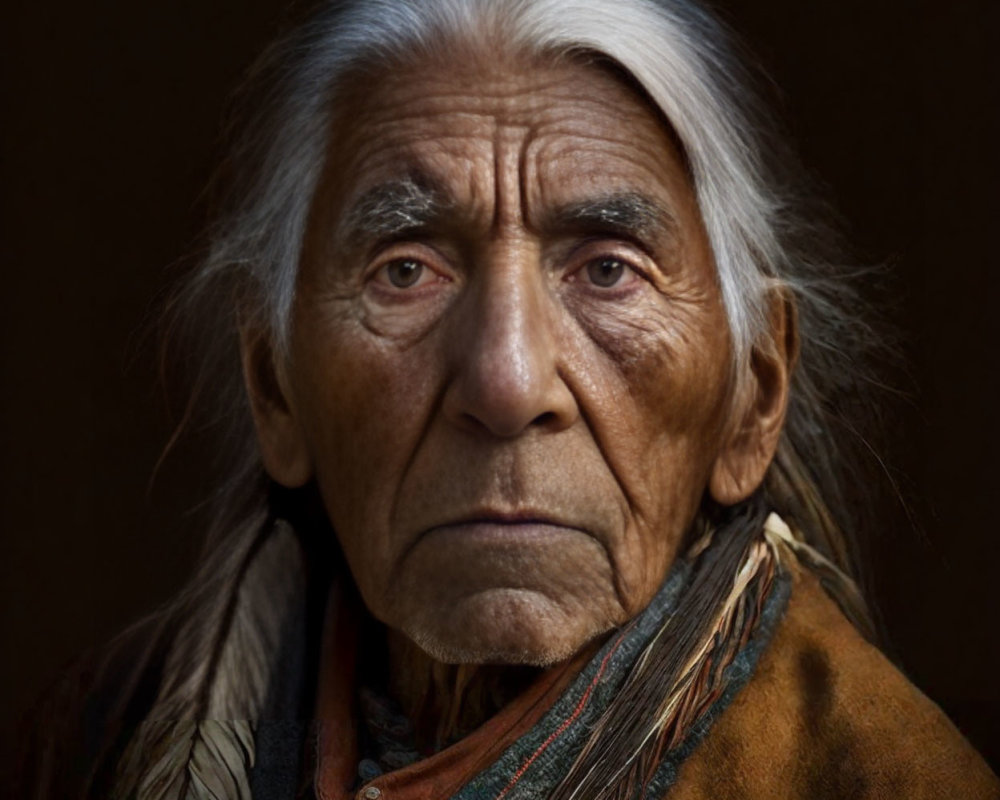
(607, 271)
(408, 272)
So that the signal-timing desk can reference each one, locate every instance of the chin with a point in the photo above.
(508, 626)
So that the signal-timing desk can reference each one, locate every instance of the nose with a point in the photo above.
(507, 373)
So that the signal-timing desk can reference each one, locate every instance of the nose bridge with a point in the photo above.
(507, 375)
(514, 333)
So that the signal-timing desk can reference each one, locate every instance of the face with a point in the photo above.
(509, 356)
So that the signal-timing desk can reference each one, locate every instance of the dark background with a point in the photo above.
(109, 127)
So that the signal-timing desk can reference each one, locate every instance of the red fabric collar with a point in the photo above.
(438, 776)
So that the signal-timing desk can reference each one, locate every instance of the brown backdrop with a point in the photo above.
(110, 114)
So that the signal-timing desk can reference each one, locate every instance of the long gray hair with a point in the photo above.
(766, 232)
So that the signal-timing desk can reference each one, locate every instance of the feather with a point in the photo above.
(198, 741)
(682, 671)
(838, 584)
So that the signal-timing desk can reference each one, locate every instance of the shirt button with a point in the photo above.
(371, 793)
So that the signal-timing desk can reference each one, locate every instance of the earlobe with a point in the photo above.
(280, 437)
(753, 440)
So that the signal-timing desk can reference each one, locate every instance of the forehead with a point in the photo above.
(532, 132)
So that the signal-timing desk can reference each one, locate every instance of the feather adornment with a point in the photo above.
(198, 741)
(682, 671)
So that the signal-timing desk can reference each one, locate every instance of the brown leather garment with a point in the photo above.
(826, 715)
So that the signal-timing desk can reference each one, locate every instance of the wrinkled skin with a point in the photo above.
(512, 409)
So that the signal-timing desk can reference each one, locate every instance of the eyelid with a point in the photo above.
(631, 255)
(407, 251)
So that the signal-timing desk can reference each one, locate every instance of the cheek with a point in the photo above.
(362, 405)
(662, 377)
(655, 391)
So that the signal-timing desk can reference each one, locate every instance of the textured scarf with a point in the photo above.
(693, 654)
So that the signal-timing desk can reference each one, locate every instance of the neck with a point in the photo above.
(446, 702)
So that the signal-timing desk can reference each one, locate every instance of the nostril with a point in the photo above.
(547, 420)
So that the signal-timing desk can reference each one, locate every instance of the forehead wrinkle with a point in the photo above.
(439, 169)
(642, 156)
(527, 175)
(496, 89)
(511, 141)
(606, 200)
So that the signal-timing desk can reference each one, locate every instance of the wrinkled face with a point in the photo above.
(509, 358)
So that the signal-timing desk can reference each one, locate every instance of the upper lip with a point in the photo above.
(498, 517)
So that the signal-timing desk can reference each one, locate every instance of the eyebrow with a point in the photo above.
(415, 203)
(628, 214)
(395, 208)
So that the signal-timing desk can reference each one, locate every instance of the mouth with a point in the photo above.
(510, 526)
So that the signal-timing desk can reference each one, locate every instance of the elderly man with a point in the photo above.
(543, 502)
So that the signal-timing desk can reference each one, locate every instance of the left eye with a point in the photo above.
(404, 272)
(606, 272)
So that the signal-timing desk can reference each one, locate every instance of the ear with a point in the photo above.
(280, 437)
(760, 411)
